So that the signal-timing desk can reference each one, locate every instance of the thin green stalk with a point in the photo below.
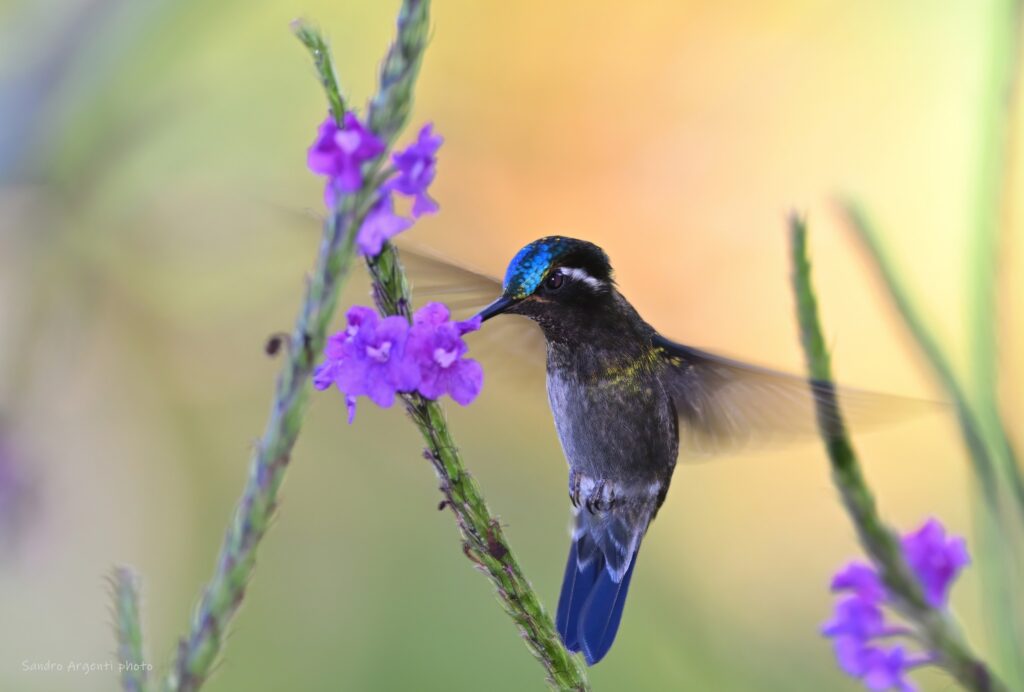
(485, 544)
(990, 182)
(134, 667)
(221, 597)
(483, 539)
(991, 215)
(990, 223)
(974, 431)
(314, 42)
(1001, 516)
(1001, 513)
(198, 652)
(390, 107)
(934, 627)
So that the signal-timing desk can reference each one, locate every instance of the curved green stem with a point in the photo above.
(934, 627)
(483, 540)
(1000, 513)
(198, 651)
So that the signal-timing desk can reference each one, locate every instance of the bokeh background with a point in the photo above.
(157, 219)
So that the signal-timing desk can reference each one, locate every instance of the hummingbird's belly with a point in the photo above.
(624, 432)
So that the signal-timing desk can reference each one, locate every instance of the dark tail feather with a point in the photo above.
(602, 613)
(590, 606)
(576, 586)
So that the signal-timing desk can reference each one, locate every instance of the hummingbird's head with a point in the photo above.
(552, 275)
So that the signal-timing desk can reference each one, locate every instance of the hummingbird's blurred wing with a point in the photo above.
(466, 290)
(432, 275)
(725, 405)
(436, 277)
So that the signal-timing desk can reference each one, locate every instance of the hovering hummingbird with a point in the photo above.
(621, 393)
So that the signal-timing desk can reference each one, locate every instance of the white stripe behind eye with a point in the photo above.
(581, 275)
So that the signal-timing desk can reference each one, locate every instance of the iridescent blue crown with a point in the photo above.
(528, 268)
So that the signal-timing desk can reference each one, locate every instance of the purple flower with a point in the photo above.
(437, 345)
(878, 668)
(381, 223)
(368, 359)
(325, 375)
(379, 357)
(339, 153)
(857, 621)
(350, 405)
(935, 559)
(886, 668)
(417, 166)
(861, 579)
(857, 618)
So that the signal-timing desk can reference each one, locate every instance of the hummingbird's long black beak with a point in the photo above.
(496, 308)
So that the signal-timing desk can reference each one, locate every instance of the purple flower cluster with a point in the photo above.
(378, 357)
(859, 621)
(340, 153)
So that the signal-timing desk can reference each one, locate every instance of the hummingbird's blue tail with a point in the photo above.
(593, 594)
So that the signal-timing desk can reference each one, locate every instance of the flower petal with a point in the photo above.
(862, 579)
(466, 381)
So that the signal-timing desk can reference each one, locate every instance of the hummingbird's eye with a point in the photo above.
(554, 281)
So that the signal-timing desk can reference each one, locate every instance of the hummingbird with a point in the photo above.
(623, 397)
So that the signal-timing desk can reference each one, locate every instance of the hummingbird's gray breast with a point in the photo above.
(619, 427)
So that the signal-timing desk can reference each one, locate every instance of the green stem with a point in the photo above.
(990, 223)
(390, 107)
(483, 540)
(314, 42)
(485, 544)
(134, 667)
(221, 597)
(934, 626)
(990, 197)
(991, 219)
(982, 456)
(1002, 509)
(223, 594)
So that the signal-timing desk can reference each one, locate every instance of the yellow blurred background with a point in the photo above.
(157, 220)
